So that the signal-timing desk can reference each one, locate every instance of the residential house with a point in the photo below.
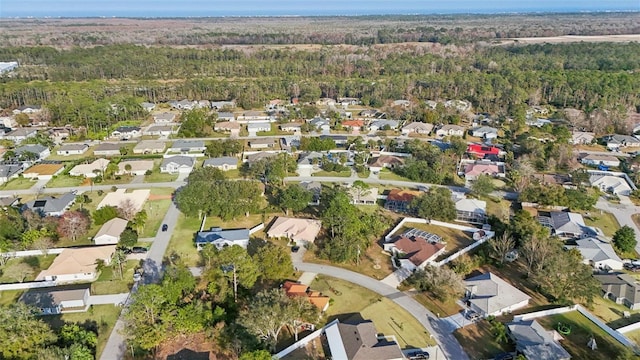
(417, 128)
(163, 131)
(367, 197)
(50, 205)
(9, 171)
(147, 106)
(7, 66)
(256, 126)
(581, 138)
(489, 295)
(450, 130)
(228, 126)
(402, 103)
(611, 184)
(309, 162)
(8, 201)
(566, 224)
(415, 249)
(534, 342)
(110, 232)
(164, 118)
(42, 171)
(598, 253)
(59, 134)
(107, 149)
(40, 152)
(221, 238)
(288, 142)
(226, 116)
(346, 101)
(8, 122)
(385, 161)
(20, 134)
(485, 132)
(326, 102)
(293, 289)
(58, 300)
(149, 147)
(254, 116)
(383, 125)
(339, 140)
(473, 211)
(460, 105)
(177, 164)
(224, 163)
(291, 127)
(537, 122)
(126, 132)
(622, 288)
(217, 105)
(90, 170)
(135, 199)
(471, 169)
(400, 200)
(302, 231)
(77, 264)
(261, 155)
(27, 109)
(187, 146)
(320, 124)
(368, 113)
(183, 104)
(261, 143)
(353, 125)
(136, 167)
(360, 341)
(315, 188)
(616, 141)
(482, 151)
(72, 149)
(598, 160)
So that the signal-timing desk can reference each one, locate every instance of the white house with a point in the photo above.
(224, 163)
(415, 249)
(223, 237)
(149, 147)
(110, 232)
(487, 294)
(599, 254)
(382, 124)
(72, 149)
(291, 127)
(256, 126)
(77, 264)
(20, 134)
(58, 300)
(485, 132)
(611, 184)
(126, 132)
(471, 210)
(450, 130)
(582, 137)
(187, 146)
(597, 159)
(298, 230)
(147, 106)
(41, 152)
(90, 170)
(164, 118)
(310, 162)
(616, 141)
(9, 171)
(177, 164)
(417, 128)
(107, 149)
(137, 167)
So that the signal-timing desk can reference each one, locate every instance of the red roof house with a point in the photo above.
(292, 288)
(480, 150)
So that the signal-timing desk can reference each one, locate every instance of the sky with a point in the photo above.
(184, 8)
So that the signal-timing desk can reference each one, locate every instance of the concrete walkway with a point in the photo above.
(307, 278)
(395, 278)
(138, 179)
(439, 329)
(111, 299)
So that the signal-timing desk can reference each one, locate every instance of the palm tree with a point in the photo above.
(127, 168)
(500, 332)
(139, 220)
(119, 258)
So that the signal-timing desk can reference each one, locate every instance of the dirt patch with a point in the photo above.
(153, 197)
(192, 347)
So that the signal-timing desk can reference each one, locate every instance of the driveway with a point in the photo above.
(622, 212)
(111, 299)
(436, 327)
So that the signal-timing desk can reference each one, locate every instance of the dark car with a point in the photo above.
(295, 249)
(418, 355)
(472, 316)
(505, 356)
(165, 227)
(139, 250)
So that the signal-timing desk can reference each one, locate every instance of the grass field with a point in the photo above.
(322, 173)
(12, 272)
(182, 242)
(603, 220)
(64, 181)
(386, 174)
(18, 183)
(156, 210)
(582, 329)
(478, 341)
(100, 317)
(350, 301)
(375, 263)
(157, 176)
(441, 308)
(109, 281)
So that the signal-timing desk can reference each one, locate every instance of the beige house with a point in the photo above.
(149, 147)
(138, 167)
(298, 230)
(110, 232)
(90, 170)
(137, 198)
(77, 264)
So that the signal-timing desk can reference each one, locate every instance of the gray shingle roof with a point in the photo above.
(179, 160)
(220, 161)
(50, 204)
(216, 233)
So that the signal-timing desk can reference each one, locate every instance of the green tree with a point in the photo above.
(196, 123)
(346, 230)
(293, 197)
(624, 239)
(273, 261)
(256, 355)
(435, 204)
(145, 327)
(119, 258)
(22, 334)
(227, 269)
(128, 238)
(104, 214)
(440, 281)
(139, 220)
(81, 342)
(482, 185)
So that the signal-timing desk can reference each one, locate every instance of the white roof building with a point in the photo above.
(488, 294)
(299, 230)
(611, 184)
(110, 232)
(599, 254)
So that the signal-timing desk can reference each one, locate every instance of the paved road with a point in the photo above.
(607, 153)
(111, 299)
(116, 345)
(622, 213)
(436, 327)
(81, 189)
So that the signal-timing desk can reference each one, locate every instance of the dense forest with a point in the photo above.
(79, 85)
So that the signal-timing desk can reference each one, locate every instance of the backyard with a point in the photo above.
(18, 183)
(156, 207)
(454, 239)
(157, 176)
(479, 342)
(603, 220)
(109, 281)
(351, 302)
(24, 269)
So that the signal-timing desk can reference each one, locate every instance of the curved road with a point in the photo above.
(438, 328)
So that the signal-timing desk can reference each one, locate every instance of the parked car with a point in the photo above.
(418, 355)
(472, 316)
(505, 356)
(139, 250)
(165, 227)
(295, 249)
(137, 277)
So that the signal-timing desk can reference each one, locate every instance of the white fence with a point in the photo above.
(616, 334)
(628, 328)
(464, 251)
(15, 254)
(303, 342)
(27, 285)
(256, 228)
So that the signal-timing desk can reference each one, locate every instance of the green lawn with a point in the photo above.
(59, 181)
(18, 183)
(582, 329)
(478, 341)
(182, 240)
(100, 317)
(603, 220)
(8, 297)
(109, 281)
(441, 308)
(157, 176)
(322, 173)
(156, 210)
(386, 174)
(348, 299)
(117, 180)
(32, 266)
